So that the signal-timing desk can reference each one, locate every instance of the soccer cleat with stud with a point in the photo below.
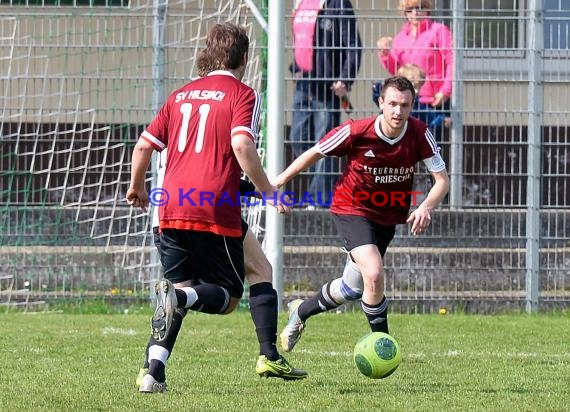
(279, 368)
(140, 376)
(151, 385)
(292, 331)
(166, 304)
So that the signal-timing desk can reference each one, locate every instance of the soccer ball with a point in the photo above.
(377, 355)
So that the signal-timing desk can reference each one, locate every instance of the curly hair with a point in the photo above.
(413, 73)
(226, 47)
(424, 4)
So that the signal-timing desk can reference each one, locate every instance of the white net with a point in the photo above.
(80, 84)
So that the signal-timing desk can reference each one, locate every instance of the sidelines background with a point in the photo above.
(80, 83)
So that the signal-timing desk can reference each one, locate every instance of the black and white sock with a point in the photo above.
(377, 315)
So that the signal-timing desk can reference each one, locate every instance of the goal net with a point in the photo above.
(80, 81)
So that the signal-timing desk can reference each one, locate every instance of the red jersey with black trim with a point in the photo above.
(379, 174)
(201, 181)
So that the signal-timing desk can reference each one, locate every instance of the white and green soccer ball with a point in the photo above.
(377, 355)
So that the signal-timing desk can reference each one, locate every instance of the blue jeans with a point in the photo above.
(312, 119)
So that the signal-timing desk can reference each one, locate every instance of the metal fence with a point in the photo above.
(500, 239)
(80, 83)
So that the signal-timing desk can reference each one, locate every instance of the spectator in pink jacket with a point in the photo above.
(427, 44)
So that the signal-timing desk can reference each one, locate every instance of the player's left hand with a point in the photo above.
(420, 219)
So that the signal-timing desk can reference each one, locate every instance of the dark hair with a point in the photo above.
(226, 46)
(400, 83)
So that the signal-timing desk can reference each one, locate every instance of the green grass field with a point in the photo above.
(61, 362)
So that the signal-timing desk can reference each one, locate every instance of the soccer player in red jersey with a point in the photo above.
(373, 195)
(209, 126)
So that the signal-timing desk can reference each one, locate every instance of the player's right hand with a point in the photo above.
(137, 198)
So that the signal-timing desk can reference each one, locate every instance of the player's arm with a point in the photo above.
(421, 217)
(248, 159)
(136, 194)
(303, 162)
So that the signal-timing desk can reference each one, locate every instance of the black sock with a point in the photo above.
(175, 326)
(181, 297)
(319, 303)
(377, 315)
(212, 299)
(145, 364)
(155, 367)
(157, 370)
(263, 309)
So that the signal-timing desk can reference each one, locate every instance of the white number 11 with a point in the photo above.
(186, 110)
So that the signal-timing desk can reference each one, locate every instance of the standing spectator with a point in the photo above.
(209, 126)
(372, 196)
(433, 118)
(427, 44)
(327, 51)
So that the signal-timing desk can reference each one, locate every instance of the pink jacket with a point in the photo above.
(432, 50)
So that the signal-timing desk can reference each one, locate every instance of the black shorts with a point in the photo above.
(156, 234)
(357, 231)
(203, 257)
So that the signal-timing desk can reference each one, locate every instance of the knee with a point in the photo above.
(373, 279)
(234, 303)
(261, 272)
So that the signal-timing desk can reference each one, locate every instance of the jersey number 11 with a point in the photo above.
(186, 110)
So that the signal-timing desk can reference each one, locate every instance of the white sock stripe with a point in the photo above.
(383, 306)
(158, 353)
(191, 296)
(227, 301)
(371, 310)
(327, 296)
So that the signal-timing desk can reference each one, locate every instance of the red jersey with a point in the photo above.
(197, 123)
(379, 174)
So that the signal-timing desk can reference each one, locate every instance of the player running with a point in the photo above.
(373, 195)
(209, 126)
